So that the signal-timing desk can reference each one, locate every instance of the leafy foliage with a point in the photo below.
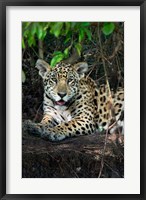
(31, 31)
(108, 28)
(73, 35)
(73, 32)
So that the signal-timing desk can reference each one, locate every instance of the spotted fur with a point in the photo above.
(73, 104)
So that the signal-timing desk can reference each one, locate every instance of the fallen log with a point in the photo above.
(80, 157)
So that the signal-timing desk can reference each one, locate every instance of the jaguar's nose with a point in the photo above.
(62, 94)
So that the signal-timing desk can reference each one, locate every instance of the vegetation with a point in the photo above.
(98, 43)
(74, 34)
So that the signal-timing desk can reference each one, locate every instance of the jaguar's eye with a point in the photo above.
(53, 81)
(53, 78)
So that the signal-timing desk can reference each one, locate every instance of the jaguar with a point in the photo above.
(73, 103)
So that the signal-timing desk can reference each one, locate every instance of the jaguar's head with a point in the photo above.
(61, 83)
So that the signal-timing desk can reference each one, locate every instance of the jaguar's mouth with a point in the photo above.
(60, 103)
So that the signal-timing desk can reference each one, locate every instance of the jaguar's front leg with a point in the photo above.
(41, 130)
(48, 121)
(70, 129)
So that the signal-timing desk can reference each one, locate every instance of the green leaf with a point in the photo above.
(56, 28)
(67, 40)
(85, 23)
(39, 32)
(67, 25)
(56, 59)
(23, 43)
(66, 52)
(88, 33)
(108, 28)
(78, 47)
(44, 34)
(31, 41)
(81, 35)
(25, 25)
(23, 77)
(26, 33)
(73, 24)
(57, 52)
(33, 29)
(46, 25)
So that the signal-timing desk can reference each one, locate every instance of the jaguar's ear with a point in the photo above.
(81, 68)
(43, 67)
